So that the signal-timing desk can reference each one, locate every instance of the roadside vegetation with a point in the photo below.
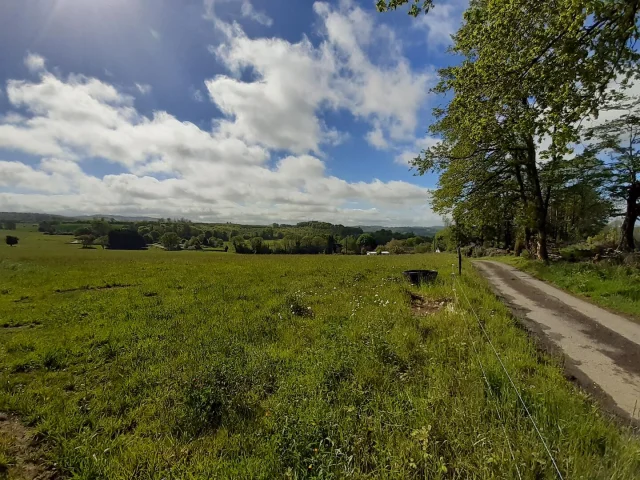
(154, 364)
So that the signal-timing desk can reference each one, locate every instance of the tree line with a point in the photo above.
(525, 156)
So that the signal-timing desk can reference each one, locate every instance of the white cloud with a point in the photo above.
(197, 95)
(293, 81)
(155, 34)
(376, 139)
(442, 21)
(206, 175)
(35, 63)
(408, 154)
(143, 88)
(249, 11)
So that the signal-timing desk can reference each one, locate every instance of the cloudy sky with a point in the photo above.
(219, 110)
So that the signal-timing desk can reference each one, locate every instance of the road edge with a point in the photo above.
(570, 370)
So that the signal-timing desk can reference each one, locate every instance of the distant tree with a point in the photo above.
(155, 235)
(256, 244)
(350, 244)
(82, 231)
(143, 230)
(102, 241)
(330, 245)
(87, 240)
(126, 239)
(170, 241)
(11, 240)
(620, 140)
(207, 235)
(100, 228)
(366, 242)
(148, 239)
(10, 225)
(396, 247)
(47, 227)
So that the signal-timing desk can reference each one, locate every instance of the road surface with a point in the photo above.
(602, 350)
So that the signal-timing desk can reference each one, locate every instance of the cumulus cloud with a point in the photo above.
(218, 175)
(35, 63)
(293, 81)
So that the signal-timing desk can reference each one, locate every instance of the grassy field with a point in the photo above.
(203, 365)
(616, 287)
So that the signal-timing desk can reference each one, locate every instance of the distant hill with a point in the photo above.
(422, 231)
(117, 218)
(30, 217)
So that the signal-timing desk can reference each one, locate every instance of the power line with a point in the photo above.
(535, 426)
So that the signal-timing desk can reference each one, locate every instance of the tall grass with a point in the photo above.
(208, 365)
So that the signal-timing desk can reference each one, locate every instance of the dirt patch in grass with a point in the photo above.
(424, 306)
(20, 456)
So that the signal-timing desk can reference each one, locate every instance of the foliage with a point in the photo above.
(87, 240)
(170, 241)
(366, 241)
(150, 365)
(126, 240)
(513, 86)
(9, 224)
(619, 139)
(11, 240)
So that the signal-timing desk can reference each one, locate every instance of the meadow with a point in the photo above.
(616, 287)
(198, 365)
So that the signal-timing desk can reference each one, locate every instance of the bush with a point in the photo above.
(126, 240)
(576, 253)
(170, 241)
(11, 240)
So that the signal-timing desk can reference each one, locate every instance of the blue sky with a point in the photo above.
(219, 110)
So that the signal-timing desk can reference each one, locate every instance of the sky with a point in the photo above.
(250, 111)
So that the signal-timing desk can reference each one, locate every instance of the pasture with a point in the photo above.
(155, 364)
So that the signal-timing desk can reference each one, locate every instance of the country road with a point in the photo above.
(601, 349)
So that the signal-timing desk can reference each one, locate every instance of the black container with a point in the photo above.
(416, 277)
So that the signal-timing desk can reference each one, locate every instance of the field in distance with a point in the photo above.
(156, 364)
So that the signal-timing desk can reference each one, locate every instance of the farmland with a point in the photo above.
(200, 364)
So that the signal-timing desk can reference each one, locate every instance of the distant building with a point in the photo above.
(371, 253)
(384, 253)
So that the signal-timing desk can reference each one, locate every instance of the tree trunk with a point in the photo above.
(627, 242)
(539, 202)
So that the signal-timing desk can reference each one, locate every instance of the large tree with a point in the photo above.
(619, 141)
(530, 70)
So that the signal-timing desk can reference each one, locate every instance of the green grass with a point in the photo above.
(206, 365)
(616, 287)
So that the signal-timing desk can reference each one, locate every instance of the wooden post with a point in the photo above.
(459, 261)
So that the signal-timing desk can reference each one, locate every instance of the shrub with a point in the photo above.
(575, 253)
(170, 241)
(126, 240)
(11, 240)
